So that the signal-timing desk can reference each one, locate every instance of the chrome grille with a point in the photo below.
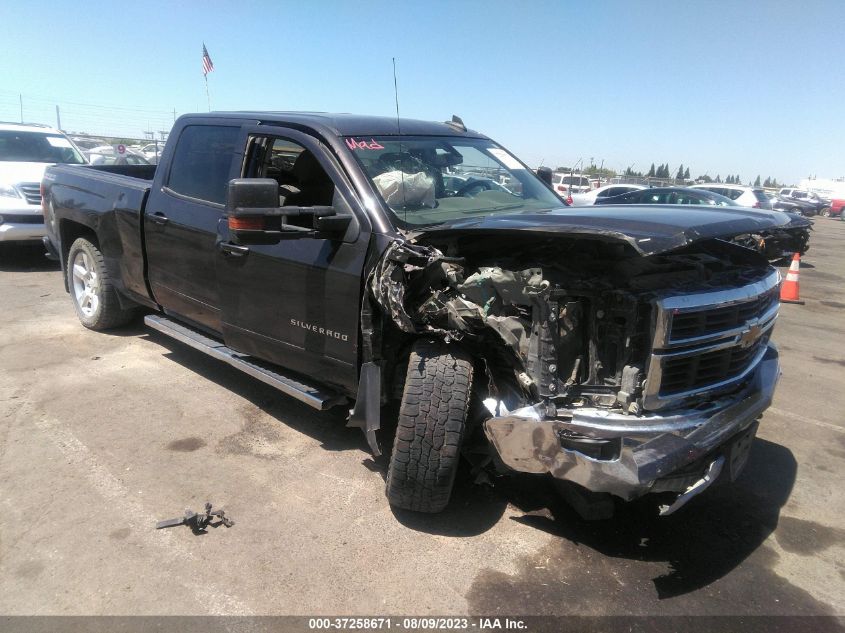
(709, 341)
(703, 370)
(686, 325)
(31, 191)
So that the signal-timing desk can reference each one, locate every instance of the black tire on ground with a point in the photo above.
(825, 213)
(91, 289)
(430, 429)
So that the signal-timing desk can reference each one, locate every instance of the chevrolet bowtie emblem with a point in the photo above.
(748, 337)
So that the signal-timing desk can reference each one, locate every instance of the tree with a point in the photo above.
(757, 182)
(686, 174)
(737, 181)
(767, 182)
(704, 178)
(651, 173)
(680, 174)
(718, 178)
(600, 172)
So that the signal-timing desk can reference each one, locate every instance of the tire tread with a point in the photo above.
(430, 429)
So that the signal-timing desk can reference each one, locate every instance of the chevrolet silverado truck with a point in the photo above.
(363, 261)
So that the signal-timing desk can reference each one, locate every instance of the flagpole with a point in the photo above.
(207, 96)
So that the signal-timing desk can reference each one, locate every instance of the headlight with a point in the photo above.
(9, 191)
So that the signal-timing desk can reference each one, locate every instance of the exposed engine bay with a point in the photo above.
(563, 321)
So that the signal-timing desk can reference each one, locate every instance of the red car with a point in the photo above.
(835, 208)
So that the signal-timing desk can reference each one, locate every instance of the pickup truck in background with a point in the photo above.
(624, 351)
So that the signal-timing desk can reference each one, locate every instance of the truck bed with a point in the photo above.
(109, 200)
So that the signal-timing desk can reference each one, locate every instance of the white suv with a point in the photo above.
(741, 195)
(25, 152)
(566, 184)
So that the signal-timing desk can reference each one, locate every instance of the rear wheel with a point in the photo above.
(91, 289)
(430, 429)
(825, 213)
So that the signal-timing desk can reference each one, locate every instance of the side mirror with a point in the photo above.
(255, 217)
(249, 204)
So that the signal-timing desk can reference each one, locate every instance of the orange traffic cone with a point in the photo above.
(789, 287)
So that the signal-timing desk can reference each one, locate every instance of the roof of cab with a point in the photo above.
(349, 124)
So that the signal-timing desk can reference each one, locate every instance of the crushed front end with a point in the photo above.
(623, 372)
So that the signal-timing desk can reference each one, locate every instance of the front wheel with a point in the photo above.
(91, 289)
(430, 430)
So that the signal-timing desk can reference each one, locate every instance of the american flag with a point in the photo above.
(207, 66)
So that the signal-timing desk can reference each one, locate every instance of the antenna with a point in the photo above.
(399, 132)
(396, 96)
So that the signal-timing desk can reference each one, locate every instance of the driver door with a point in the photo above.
(296, 303)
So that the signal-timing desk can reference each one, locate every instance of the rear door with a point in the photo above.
(181, 219)
(297, 303)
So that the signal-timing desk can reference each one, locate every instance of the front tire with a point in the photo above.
(431, 426)
(91, 289)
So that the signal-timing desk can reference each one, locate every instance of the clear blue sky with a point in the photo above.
(726, 87)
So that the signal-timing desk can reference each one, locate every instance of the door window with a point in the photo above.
(302, 180)
(201, 161)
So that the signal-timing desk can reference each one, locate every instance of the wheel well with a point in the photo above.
(69, 231)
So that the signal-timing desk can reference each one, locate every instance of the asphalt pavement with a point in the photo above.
(102, 435)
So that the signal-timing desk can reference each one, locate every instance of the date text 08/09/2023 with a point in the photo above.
(412, 623)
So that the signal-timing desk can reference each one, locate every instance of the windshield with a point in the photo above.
(36, 147)
(428, 180)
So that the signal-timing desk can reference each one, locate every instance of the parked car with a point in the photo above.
(152, 152)
(626, 352)
(670, 195)
(754, 197)
(835, 208)
(809, 202)
(25, 152)
(85, 143)
(460, 185)
(127, 158)
(793, 205)
(108, 155)
(607, 191)
(566, 184)
(775, 244)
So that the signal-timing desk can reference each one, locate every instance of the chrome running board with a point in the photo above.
(310, 395)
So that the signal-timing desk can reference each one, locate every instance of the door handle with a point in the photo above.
(159, 218)
(228, 248)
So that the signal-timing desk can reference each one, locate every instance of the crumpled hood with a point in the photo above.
(649, 229)
(11, 173)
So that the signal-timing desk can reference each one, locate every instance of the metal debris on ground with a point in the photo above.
(198, 521)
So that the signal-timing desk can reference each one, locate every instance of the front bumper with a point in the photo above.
(641, 453)
(21, 232)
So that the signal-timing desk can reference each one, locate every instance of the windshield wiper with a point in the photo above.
(489, 209)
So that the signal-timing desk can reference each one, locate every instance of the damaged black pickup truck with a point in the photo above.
(358, 261)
